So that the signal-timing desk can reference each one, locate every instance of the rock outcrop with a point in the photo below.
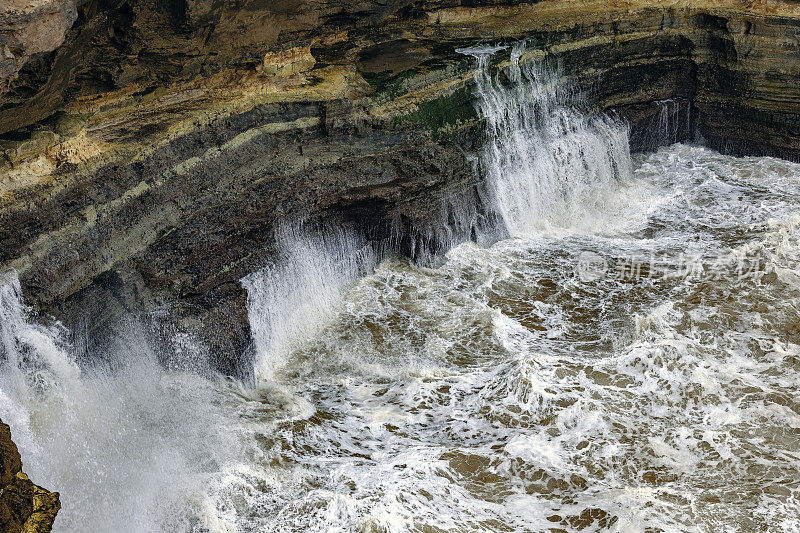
(24, 507)
(146, 160)
(29, 28)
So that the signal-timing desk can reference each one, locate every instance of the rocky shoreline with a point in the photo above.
(148, 153)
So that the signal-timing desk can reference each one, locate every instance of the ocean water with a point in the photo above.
(627, 360)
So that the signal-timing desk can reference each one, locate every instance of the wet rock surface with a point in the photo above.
(24, 506)
(147, 158)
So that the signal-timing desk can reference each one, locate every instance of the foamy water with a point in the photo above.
(500, 392)
(628, 361)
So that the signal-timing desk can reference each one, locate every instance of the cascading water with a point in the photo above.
(515, 387)
(670, 119)
(546, 163)
(671, 123)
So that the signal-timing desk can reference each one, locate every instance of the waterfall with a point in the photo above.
(670, 123)
(545, 162)
(34, 355)
(667, 129)
(290, 300)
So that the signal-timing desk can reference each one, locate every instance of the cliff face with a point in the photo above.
(147, 158)
(24, 507)
(748, 98)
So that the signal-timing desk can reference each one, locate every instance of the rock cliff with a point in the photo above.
(24, 507)
(148, 149)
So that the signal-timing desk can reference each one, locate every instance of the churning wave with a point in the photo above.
(514, 387)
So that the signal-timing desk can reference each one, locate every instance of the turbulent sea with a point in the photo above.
(626, 359)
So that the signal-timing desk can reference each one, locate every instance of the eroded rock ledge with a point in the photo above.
(24, 507)
(146, 159)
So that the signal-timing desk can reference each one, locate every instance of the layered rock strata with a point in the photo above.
(147, 159)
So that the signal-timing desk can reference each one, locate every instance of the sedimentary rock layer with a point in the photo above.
(146, 160)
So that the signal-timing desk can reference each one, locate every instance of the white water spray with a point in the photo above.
(289, 301)
(33, 353)
(546, 163)
(130, 448)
